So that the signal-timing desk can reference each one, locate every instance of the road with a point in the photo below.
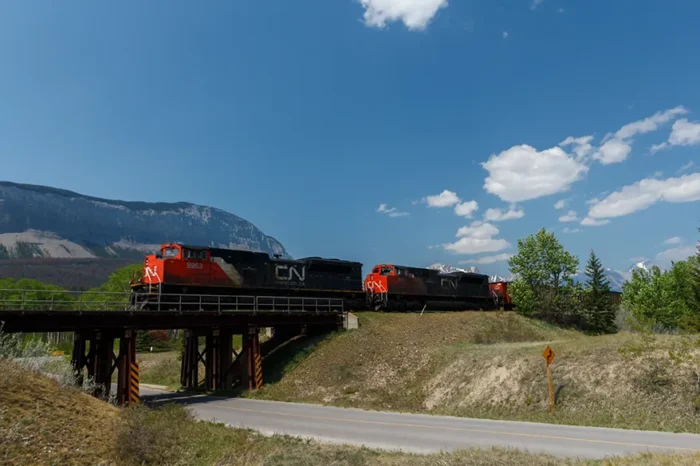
(423, 433)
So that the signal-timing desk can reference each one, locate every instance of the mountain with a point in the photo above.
(615, 278)
(45, 222)
(444, 268)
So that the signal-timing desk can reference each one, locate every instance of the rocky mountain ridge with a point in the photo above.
(40, 221)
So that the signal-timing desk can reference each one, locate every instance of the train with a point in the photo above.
(179, 270)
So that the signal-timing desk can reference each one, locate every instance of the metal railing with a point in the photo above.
(60, 300)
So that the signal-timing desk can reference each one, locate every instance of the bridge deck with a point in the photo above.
(70, 321)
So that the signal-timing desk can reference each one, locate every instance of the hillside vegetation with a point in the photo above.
(43, 422)
(490, 365)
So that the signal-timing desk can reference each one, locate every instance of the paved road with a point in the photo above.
(423, 433)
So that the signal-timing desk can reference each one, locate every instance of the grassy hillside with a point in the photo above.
(42, 422)
(490, 365)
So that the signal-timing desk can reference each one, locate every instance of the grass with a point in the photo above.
(45, 422)
(490, 365)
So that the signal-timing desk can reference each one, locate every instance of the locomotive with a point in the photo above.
(179, 270)
(400, 288)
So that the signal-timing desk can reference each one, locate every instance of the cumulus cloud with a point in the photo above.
(444, 199)
(613, 151)
(415, 14)
(650, 123)
(683, 133)
(616, 147)
(522, 173)
(591, 222)
(571, 230)
(535, 3)
(676, 254)
(497, 215)
(391, 212)
(674, 240)
(646, 192)
(466, 209)
(489, 259)
(581, 146)
(569, 217)
(560, 204)
(476, 239)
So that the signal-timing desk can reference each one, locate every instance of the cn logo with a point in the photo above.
(447, 283)
(287, 272)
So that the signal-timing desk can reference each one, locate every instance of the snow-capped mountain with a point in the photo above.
(444, 268)
(645, 264)
(40, 221)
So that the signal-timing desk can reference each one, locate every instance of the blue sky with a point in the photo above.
(305, 117)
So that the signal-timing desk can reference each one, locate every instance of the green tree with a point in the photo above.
(600, 311)
(113, 294)
(661, 299)
(543, 271)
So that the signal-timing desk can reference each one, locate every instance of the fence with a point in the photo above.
(60, 300)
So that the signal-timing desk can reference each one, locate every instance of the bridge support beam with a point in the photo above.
(251, 360)
(127, 357)
(189, 369)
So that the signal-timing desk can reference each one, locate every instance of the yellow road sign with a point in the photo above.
(548, 355)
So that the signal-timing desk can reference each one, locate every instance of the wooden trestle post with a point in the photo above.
(126, 359)
(252, 360)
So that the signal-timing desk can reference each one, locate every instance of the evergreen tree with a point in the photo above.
(599, 306)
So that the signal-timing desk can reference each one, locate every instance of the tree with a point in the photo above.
(599, 307)
(660, 299)
(543, 271)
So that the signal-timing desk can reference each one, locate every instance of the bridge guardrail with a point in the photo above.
(57, 300)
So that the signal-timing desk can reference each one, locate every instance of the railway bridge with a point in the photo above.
(98, 319)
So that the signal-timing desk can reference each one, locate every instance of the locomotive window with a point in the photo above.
(375, 270)
(170, 252)
(194, 254)
(386, 271)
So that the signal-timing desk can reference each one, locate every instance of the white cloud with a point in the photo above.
(674, 240)
(444, 199)
(686, 167)
(650, 123)
(644, 193)
(683, 133)
(505, 34)
(535, 3)
(615, 147)
(569, 217)
(658, 174)
(560, 204)
(676, 254)
(571, 230)
(613, 151)
(497, 215)
(476, 239)
(466, 209)
(477, 230)
(391, 212)
(560, 10)
(582, 145)
(591, 222)
(489, 259)
(415, 14)
(522, 173)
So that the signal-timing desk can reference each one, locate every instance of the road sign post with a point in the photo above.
(548, 355)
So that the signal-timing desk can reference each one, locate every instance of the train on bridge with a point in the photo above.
(179, 269)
